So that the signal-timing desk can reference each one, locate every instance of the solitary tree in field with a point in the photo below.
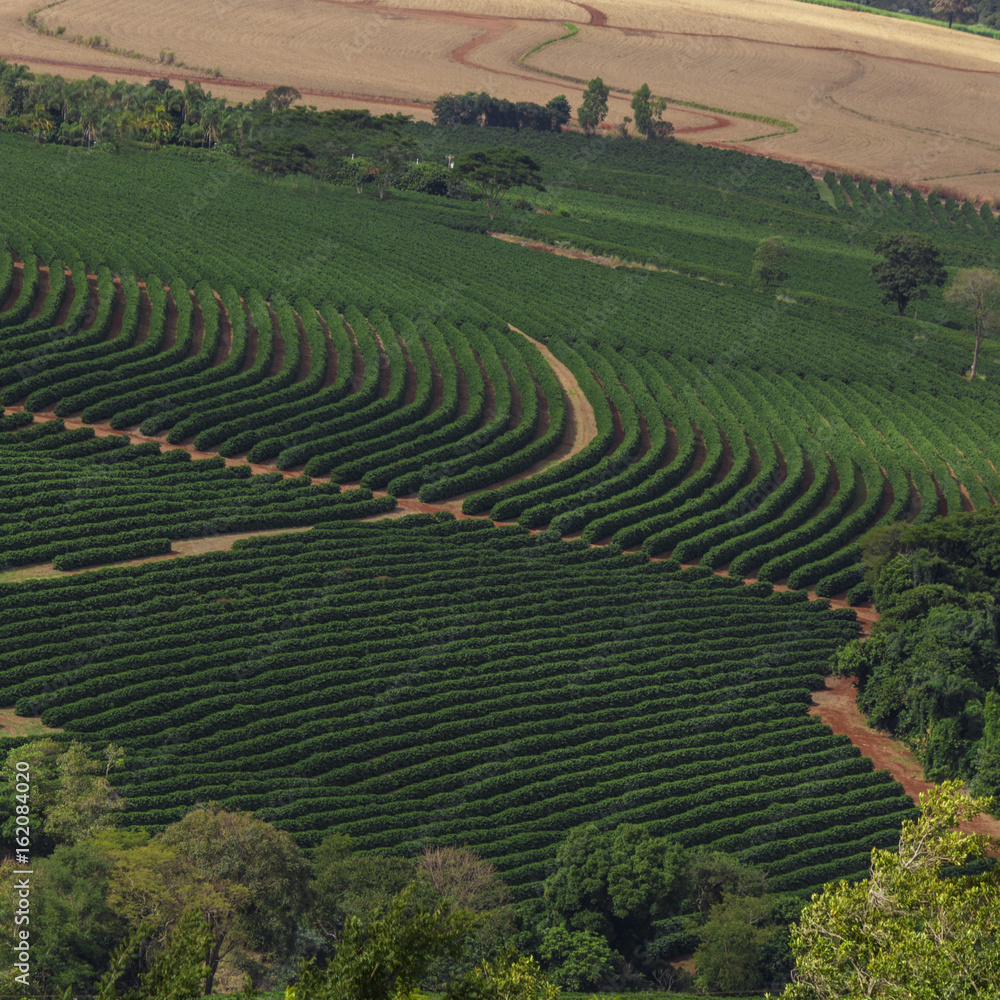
(649, 114)
(911, 264)
(912, 929)
(493, 172)
(979, 291)
(952, 9)
(282, 97)
(769, 260)
(594, 109)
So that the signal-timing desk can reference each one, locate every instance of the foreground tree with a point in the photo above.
(914, 928)
(979, 291)
(179, 971)
(952, 9)
(493, 172)
(615, 884)
(911, 264)
(510, 977)
(71, 797)
(347, 884)
(733, 944)
(387, 955)
(250, 880)
(594, 109)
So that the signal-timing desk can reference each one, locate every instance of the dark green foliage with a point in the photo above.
(387, 954)
(493, 172)
(910, 264)
(931, 669)
(594, 108)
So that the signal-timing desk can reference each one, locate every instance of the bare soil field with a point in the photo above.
(912, 102)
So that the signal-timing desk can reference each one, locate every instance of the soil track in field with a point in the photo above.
(835, 705)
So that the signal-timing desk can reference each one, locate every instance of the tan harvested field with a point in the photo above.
(893, 98)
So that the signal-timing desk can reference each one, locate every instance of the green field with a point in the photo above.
(439, 679)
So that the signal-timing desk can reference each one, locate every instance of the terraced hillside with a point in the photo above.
(442, 679)
(324, 355)
(765, 472)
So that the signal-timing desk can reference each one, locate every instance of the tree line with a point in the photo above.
(221, 894)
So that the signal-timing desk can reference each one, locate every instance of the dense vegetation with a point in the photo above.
(930, 673)
(120, 901)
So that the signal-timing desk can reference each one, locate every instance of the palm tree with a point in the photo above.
(14, 79)
(236, 124)
(39, 122)
(90, 117)
(212, 120)
(156, 124)
(193, 96)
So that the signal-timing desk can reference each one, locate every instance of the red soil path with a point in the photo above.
(835, 706)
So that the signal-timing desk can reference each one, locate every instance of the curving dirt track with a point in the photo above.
(835, 705)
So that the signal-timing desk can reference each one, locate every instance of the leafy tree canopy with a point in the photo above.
(493, 172)
(594, 108)
(648, 114)
(769, 261)
(915, 928)
(910, 264)
(71, 796)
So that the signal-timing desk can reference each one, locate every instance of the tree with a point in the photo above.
(280, 98)
(178, 972)
(467, 881)
(913, 928)
(68, 899)
(559, 112)
(348, 884)
(615, 884)
(386, 955)
(71, 797)
(979, 291)
(461, 876)
(251, 878)
(769, 259)
(39, 122)
(390, 153)
(580, 960)
(911, 263)
(157, 124)
(493, 172)
(952, 9)
(649, 114)
(731, 944)
(510, 977)
(987, 780)
(710, 876)
(594, 109)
